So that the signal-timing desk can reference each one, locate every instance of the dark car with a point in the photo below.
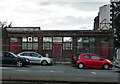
(75, 57)
(9, 58)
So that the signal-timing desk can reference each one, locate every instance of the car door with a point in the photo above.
(36, 58)
(96, 61)
(3, 58)
(87, 60)
(9, 58)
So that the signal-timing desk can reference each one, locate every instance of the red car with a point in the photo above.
(93, 60)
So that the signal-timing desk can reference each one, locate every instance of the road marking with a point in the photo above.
(51, 71)
(115, 70)
(5, 68)
(21, 70)
(93, 72)
(57, 71)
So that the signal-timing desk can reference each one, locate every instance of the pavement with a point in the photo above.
(59, 79)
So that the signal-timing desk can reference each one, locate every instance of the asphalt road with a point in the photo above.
(59, 72)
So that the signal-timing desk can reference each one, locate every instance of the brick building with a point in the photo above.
(59, 43)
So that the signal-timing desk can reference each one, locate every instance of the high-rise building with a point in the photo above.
(104, 17)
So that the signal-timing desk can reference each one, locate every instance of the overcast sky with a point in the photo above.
(51, 14)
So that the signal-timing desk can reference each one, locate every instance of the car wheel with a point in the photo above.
(81, 65)
(44, 62)
(19, 63)
(106, 66)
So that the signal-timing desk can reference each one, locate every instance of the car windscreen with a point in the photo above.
(77, 54)
(14, 54)
(34, 54)
(79, 57)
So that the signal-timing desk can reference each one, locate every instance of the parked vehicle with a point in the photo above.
(93, 60)
(36, 58)
(9, 58)
(117, 63)
(117, 60)
(75, 57)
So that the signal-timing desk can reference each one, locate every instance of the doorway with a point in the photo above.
(57, 50)
(13, 47)
(104, 50)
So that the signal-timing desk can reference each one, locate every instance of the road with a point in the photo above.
(59, 72)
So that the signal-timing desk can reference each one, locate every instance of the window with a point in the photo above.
(24, 46)
(30, 39)
(67, 43)
(35, 39)
(47, 43)
(24, 39)
(34, 55)
(104, 40)
(80, 39)
(57, 39)
(25, 54)
(86, 44)
(47, 46)
(35, 46)
(30, 43)
(13, 40)
(95, 57)
(80, 44)
(67, 39)
(79, 57)
(85, 39)
(30, 46)
(92, 39)
(67, 46)
(47, 39)
(80, 47)
(9, 55)
(86, 56)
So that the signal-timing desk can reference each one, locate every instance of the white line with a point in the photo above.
(21, 70)
(5, 68)
(51, 71)
(93, 72)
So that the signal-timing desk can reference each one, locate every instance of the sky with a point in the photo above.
(51, 14)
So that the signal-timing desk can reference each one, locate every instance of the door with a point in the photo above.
(87, 60)
(57, 50)
(104, 50)
(8, 58)
(35, 58)
(26, 55)
(96, 61)
(13, 47)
